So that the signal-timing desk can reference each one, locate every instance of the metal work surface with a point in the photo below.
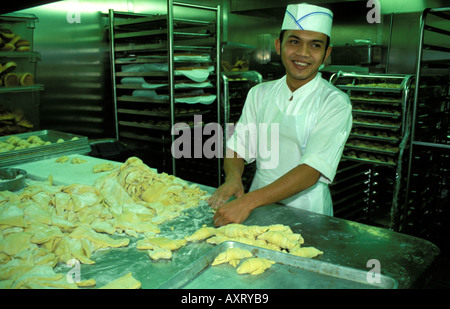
(288, 272)
(404, 258)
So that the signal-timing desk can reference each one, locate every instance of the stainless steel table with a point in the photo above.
(403, 257)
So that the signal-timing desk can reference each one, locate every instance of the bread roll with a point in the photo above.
(8, 47)
(9, 67)
(26, 79)
(22, 43)
(6, 34)
(23, 48)
(15, 39)
(11, 80)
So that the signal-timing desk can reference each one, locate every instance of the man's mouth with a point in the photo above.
(300, 63)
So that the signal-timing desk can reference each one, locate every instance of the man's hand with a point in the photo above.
(235, 211)
(231, 187)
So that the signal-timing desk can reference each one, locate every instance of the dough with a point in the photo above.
(125, 282)
(62, 159)
(218, 239)
(161, 242)
(254, 266)
(12, 216)
(202, 233)
(233, 230)
(278, 238)
(232, 256)
(103, 167)
(160, 253)
(46, 224)
(42, 277)
(86, 283)
(102, 240)
(77, 160)
(306, 252)
(14, 243)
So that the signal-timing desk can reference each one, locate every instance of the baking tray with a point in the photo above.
(289, 272)
(69, 146)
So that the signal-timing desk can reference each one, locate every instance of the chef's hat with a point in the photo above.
(308, 17)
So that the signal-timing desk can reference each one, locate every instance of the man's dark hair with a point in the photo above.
(326, 44)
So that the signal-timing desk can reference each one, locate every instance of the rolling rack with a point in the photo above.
(165, 74)
(369, 183)
(19, 102)
(426, 213)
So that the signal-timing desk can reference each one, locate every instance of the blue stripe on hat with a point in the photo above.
(295, 20)
(312, 13)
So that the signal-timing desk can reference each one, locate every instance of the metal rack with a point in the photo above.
(156, 61)
(368, 185)
(25, 98)
(427, 190)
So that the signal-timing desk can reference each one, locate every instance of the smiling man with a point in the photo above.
(314, 121)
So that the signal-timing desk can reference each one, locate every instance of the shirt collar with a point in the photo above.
(303, 90)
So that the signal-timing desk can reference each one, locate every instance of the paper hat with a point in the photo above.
(308, 17)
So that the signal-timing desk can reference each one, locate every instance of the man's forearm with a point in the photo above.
(233, 166)
(297, 180)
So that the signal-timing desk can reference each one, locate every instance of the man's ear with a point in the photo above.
(278, 46)
(327, 54)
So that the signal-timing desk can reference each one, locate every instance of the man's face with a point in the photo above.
(302, 52)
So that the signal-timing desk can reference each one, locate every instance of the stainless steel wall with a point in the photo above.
(75, 68)
(75, 65)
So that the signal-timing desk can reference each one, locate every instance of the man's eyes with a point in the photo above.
(313, 45)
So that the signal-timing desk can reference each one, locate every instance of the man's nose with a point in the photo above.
(302, 50)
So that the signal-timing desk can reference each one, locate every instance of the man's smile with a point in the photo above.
(300, 63)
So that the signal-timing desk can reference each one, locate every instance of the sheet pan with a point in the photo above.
(289, 272)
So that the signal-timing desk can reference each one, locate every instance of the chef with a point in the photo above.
(311, 118)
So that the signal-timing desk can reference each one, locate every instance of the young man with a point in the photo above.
(310, 118)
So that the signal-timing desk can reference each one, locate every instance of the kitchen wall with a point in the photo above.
(75, 68)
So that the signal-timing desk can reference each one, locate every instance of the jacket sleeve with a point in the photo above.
(328, 137)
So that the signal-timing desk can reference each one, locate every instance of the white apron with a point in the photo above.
(293, 136)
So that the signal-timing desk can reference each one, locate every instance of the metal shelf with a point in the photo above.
(141, 39)
(381, 126)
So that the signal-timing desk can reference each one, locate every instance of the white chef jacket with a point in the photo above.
(313, 124)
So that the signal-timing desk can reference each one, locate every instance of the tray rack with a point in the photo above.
(165, 48)
(376, 147)
(427, 213)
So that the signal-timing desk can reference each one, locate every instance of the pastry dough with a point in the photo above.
(254, 266)
(46, 224)
(202, 233)
(103, 167)
(86, 283)
(232, 256)
(161, 242)
(125, 282)
(160, 253)
(102, 240)
(232, 230)
(62, 159)
(306, 252)
(279, 239)
(77, 160)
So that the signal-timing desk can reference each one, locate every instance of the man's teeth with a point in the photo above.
(303, 64)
